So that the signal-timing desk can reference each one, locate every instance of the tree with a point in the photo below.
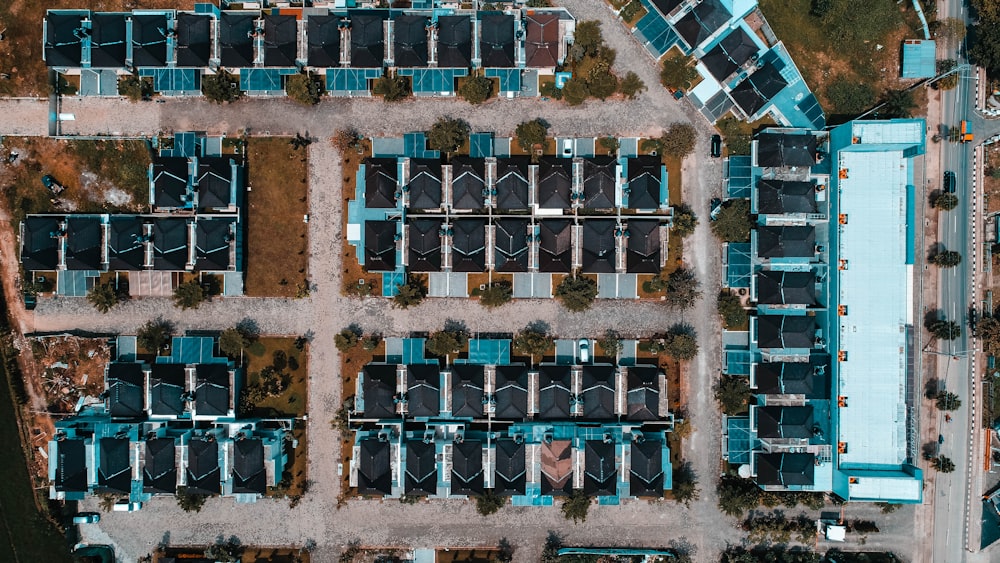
(946, 259)
(135, 88)
(944, 329)
(603, 85)
(575, 91)
(988, 332)
(611, 343)
(946, 202)
(946, 401)
(533, 340)
(898, 103)
(531, 133)
(496, 294)
(476, 89)
(154, 335)
(371, 341)
(685, 221)
(232, 342)
(679, 140)
(680, 344)
(392, 88)
(733, 394)
(683, 288)
(448, 341)
(820, 8)
(189, 295)
(587, 39)
(733, 223)
(947, 82)
(220, 87)
(409, 294)
(631, 86)
(576, 293)
(576, 506)
(850, 97)
(610, 144)
(731, 308)
(225, 551)
(943, 464)
(347, 338)
(489, 503)
(678, 72)
(304, 88)
(685, 486)
(346, 140)
(447, 135)
(103, 297)
(189, 502)
(950, 28)
(737, 495)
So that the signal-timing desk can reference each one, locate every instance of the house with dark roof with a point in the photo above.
(374, 467)
(381, 183)
(149, 40)
(511, 392)
(600, 182)
(454, 42)
(557, 467)
(555, 391)
(64, 33)
(194, 39)
(786, 288)
(642, 401)
(159, 471)
(780, 197)
(496, 40)
(204, 476)
(424, 236)
(735, 50)
(786, 242)
(213, 392)
(170, 185)
(323, 37)
(785, 331)
(600, 468)
(702, 22)
(215, 244)
(510, 244)
(114, 465)
(280, 40)
(380, 246)
(249, 476)
(421, 468)
(510, 476)
(367, 38)
(644, 181)
(467, 382)
(758, 89)
(512, 183)
(555, 245)
(555, 183)
(781, 150)
(108, 46)
(423, 390)
(784, 422)
(126, 243)
(468, 182)
(167, 388)
(424, 185)
(542, 40)
(409, 40)
(68, 467)
(84, 243)
(377, 388)
(468, 245)
(125, 386)
(170, 243)
(236, 33)
(467, 468)
(785, 469)
(599, 245)
(644, 246)
(217, 182)
(597, 390)
(645, 476)
(40, 242)
(807, 379)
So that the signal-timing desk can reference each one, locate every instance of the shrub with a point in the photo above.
(189, 502)
(189, 295)
(392, 88)
(371, 342)
(946, 202)
(496, 294)
(135, 88)
(476, 89)
(221, 87)
(409, 294)
(576, 506)
(734, 316)
(610, 144)
(531, 133)
(305, 88)
(576, 293)
(489, 502)
(631, 86)
(346, 140)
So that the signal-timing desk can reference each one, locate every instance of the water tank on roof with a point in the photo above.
(744, 471)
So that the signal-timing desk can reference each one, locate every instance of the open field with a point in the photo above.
(278, 202)
(265, 352)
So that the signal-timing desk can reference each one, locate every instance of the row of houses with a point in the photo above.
(348, 47)
(166, 424)
(488, 424)
(828, 276)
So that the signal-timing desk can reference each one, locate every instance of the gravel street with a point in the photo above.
(701, 527)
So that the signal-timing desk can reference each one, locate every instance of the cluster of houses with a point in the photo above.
(194, 226)
(432, 43)
(511, 214)
(166, 424)
(828, 276)
(487, 424)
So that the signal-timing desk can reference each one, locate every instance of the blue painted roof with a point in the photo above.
(918, 59)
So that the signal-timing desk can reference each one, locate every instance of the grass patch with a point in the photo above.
(277, 238)
(293, 401)
(632, 12)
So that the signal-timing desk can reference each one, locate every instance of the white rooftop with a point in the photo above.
(878, 132)
(877, 488)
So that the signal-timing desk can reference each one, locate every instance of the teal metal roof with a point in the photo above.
(918, 59)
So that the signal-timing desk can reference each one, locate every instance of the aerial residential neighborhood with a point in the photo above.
(569, 281)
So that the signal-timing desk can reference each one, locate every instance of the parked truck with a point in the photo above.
(965, 132)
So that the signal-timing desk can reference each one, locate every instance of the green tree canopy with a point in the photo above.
(680, 343)
(737, 495)
(489, 502)
(576, 293)
(603, 85)
(447, 341)
(587, 39)
(611, 342)
(631, 85)
(678, 72)
(943, 464)
(409, 294)
(155, 335)
(189, 295)
(683, 288)
(496, 294)
(232, 342)
(533, 341)
(576, 506)
(946, 401)
(734, 316)
(685, 221)
(944, 329)
(946, 202)
(575, 91)
(946, 259)
(733, 223)
(610, 144)
(988, 332)
(220, 87)
(531, 133)
(476, 89)
(103, 297)
(447, 134)
(347, 338)
(392, 88)
(189, 501)
(304, 88)
(898, 103)
(733, 394)
(679, 140)
(135, 88)
(685, 484)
